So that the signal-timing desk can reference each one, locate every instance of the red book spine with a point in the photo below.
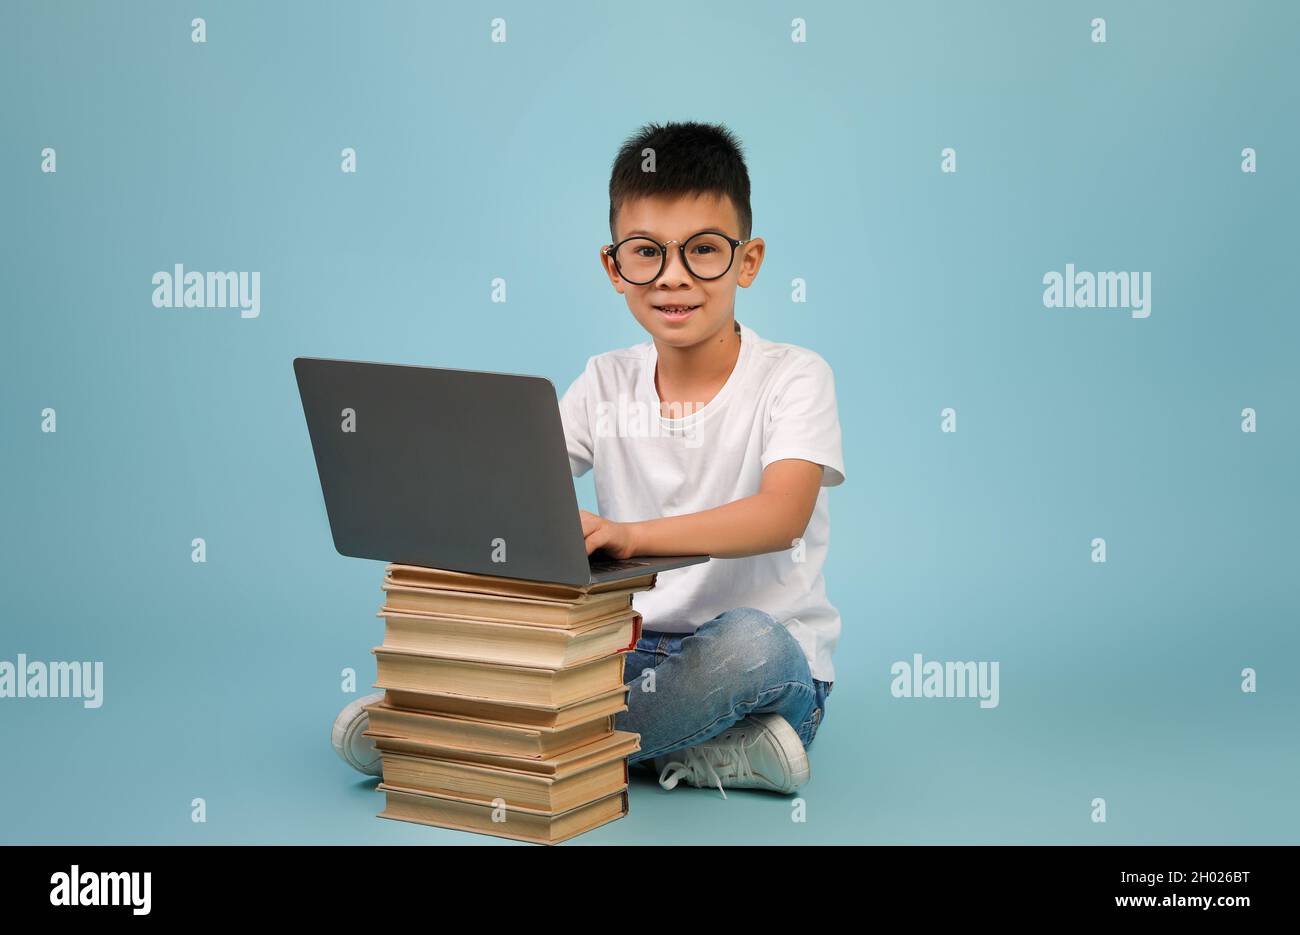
(636, 632)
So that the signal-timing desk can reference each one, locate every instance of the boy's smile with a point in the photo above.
(678, 309)
(676, 313)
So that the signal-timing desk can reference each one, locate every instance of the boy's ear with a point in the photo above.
(607, 262)
(750, 262)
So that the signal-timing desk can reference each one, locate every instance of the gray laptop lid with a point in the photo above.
(444, 468)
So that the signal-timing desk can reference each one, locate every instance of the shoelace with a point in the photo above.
(694, 765)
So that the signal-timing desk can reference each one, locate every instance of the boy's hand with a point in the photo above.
(614, 538)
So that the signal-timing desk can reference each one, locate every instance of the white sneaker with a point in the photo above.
(761, 751)
(357, 751)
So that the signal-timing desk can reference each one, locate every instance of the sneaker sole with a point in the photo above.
(349, 724)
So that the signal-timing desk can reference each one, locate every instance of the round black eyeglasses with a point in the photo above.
(707, 255)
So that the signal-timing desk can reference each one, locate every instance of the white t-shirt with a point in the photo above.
(779, 402)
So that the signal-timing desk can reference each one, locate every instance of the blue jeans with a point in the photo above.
(739, 663)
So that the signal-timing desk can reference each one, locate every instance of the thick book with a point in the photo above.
(512, 643)
(542, 717)
(508, 684)
(518, 610)
(487, 736)
(616, 743)
(552, 785)
(520, 824)
(418, 577)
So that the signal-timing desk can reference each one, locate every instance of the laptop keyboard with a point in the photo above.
(602, 565)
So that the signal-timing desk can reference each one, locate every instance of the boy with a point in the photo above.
(707, 439)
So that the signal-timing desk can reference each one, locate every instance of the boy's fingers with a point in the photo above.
(597, 538)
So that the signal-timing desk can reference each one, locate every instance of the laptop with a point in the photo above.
(454, 469)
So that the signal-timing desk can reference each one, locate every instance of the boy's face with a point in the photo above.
(676, 218)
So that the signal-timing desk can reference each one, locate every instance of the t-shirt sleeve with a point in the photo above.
(803, 420)
(575, 415)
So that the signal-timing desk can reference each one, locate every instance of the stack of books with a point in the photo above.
(499, 702)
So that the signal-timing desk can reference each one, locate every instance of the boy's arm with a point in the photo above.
(768, 521)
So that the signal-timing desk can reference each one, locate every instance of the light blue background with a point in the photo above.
(924, 291)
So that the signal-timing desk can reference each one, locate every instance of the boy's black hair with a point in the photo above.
(690, 159)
